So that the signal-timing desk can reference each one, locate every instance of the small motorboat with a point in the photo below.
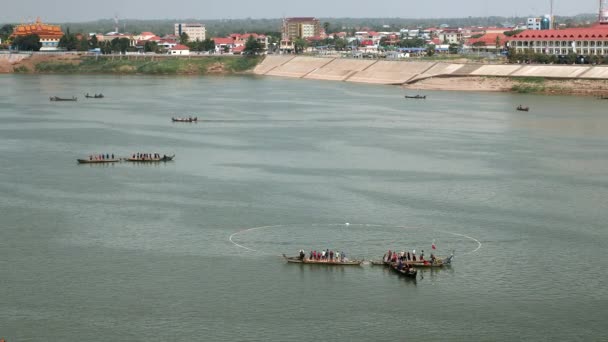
(57, 98)
(420, 97)
(522, 108)
(96, 96)
(194, 119)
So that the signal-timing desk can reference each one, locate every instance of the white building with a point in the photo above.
(533, 23)
(179, 50)
(194, 31)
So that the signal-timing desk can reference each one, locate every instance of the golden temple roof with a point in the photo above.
(39, 28)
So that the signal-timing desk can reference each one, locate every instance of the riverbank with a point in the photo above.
(581, 87)
(147, 65)
(440, 75)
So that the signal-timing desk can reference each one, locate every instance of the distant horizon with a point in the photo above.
(73, 11)
(201, 20)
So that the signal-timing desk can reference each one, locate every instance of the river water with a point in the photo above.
(190, 250)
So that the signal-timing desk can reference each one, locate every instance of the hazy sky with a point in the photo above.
(78, 10)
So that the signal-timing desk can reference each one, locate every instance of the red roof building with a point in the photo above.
(582, 41)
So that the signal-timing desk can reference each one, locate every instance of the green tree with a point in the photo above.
(497, 42)
(123, 44)
(93, 42)
(430, 50)
(68, 41)
(453, 48)
(571, 58)
(252, 46)
(514, 32)
(299, 45)
(82, 44)
(479, 44)
(412, 43)
(31, 42)
(183, 38)
(326, 26)
(208, 45)
(151, 47)
(6, 31)
(340, 44)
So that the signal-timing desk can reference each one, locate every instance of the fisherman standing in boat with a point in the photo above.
(302, 255)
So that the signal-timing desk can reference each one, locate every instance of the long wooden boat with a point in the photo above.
(419, 97)
(298, 260)
(97, 161)
(406, 272)
(151, 160)
(439, 262)
(57, 98)
(523, 109)
(184, 119)
(96, 96)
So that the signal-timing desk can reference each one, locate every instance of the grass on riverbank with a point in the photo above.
(528, 85)
(151, 65)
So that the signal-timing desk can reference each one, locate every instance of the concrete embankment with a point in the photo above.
(409, 72)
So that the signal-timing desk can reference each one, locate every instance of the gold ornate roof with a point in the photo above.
(39, 28)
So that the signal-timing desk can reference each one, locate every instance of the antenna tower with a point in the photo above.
(552, 18)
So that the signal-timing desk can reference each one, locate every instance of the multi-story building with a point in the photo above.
(294, 28)
(194, 31)
(581, 41)
(451, 36)
(540, 23)
(49, 34)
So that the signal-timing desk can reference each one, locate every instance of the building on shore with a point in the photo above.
(179, 50)
(300, 27)
(195, 31)
(539, 23)
(591, 41)
(49, 34)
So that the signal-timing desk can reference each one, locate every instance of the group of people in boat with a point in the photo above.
(148, 156)
(97, 96)
(102, 156)
(186, 119)
(405, 257)
(324, 256)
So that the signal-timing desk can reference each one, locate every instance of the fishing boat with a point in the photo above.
(420, 97)
(97, 161)
(523, 109)
(164, 158)
(438, 262)
(298, 260)
(96, 96)
(603, 97)
(195, 119)
(408, 272)
(57, 98)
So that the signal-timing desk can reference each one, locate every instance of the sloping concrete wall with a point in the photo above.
(299, 66)
(439, 69)
(340, 69)
(271, 62)
(399, 72)
(598, 72)
(388, 72)
(553, 71)
(495, 70)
